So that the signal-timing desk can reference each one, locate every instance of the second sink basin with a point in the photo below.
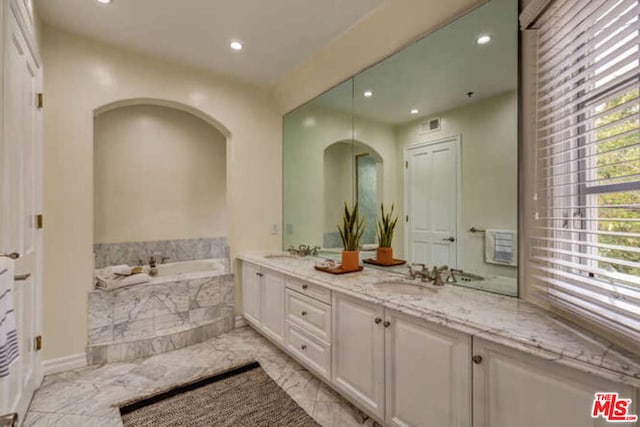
(405, 288)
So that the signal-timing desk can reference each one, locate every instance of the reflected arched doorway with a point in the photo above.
(352, 172)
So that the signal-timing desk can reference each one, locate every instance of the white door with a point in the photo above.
(358, 352)
(432, 178)
(428, 374)
(251, 279)
(272, 305)
(21, 202)
(511, 388)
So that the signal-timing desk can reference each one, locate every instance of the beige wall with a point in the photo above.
(489, 132)
(82, 75)
(159, 174)
(389, 27)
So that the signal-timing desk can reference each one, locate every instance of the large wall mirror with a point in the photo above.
(433, 130)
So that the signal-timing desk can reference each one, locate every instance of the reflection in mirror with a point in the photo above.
(433, 130)
(318, 168)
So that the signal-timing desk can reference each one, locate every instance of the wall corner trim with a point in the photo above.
(65, 363)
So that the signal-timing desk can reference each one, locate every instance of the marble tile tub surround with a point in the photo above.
(504, 320)
(152, 318)
(84, 397)
(107, 254)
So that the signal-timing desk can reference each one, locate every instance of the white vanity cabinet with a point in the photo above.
(263, 299)
(358, 352)
(427, 372)
(251, 288)
(511, 388)
(272, 304)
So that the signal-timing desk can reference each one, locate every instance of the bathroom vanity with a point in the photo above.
(447, 356)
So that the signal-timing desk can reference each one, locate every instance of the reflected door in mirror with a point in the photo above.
(432, 202)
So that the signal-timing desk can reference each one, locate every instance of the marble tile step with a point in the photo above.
(170, 340)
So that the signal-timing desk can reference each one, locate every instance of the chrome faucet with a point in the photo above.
(423, 273)
(304, 250)
(435, 275)
(152, 262)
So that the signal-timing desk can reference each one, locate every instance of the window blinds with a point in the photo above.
(586, 241)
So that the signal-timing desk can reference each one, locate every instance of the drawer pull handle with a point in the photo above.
(259, 274)
(305, 287)
(477, 359)
(378, 320)
(387, 324)
(303, 346)
(12, 255)
(304, 313)
(21, 277)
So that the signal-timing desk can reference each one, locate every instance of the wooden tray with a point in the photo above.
(376, 262)
(337, 269)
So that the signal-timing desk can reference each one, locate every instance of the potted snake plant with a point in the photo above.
(386, 224)
(351, 232)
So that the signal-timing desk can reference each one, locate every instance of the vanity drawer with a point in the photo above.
(310, 350)
(311, 315)
(308, 289)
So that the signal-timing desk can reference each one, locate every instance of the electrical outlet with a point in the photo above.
(275, 229)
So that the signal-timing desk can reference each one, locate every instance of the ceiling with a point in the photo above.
(278, 34)
(435, 74)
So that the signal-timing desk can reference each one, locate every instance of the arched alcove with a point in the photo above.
(352, 171)
(160, 180)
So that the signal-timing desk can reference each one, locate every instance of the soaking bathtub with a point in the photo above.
(186, 303)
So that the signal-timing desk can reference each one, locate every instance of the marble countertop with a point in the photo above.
(504, 320)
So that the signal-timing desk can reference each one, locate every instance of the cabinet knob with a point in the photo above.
(304, 313)
(259, 274)
(477, 359)
(387, 324)
(305, 286)
(378, 320)
(303, 346)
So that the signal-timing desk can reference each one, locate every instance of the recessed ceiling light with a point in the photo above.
(483, 39)
(415, 111)
(104, 1)
(236, 45)
(368, 93)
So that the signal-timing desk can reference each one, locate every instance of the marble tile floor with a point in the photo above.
(83, 397)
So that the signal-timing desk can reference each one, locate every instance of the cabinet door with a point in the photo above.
(511, 388)
(358, 352)
(428, 374)
(251, 292)
(272, 305)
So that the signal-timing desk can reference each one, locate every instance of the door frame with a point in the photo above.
(457, 140)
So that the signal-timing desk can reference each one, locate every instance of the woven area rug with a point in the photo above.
(241, 396)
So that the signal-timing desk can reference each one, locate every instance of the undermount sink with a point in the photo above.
(406, 288)
(280, 256)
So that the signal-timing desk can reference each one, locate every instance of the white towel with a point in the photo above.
(121, 270)
(108, 281)
(8, 334)
(501, 247)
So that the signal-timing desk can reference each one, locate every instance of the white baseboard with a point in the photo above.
(240, 321)
(66, 363)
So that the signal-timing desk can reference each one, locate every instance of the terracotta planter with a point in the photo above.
(384, 255)
(350, 260)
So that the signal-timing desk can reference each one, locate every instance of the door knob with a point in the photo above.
(12, 255)
(450, 239)
(21, 277)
